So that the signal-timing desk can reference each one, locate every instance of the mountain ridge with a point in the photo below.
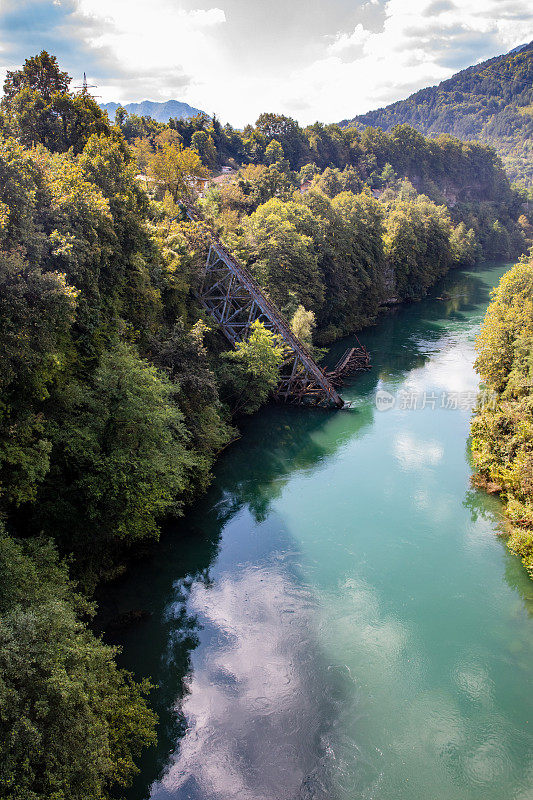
(159, 111)
(491, 102)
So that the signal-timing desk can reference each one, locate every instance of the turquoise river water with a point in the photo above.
(337, 619)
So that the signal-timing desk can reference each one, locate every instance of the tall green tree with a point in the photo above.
(203, 143)
(38, 108)
(351, 260)
(417, 245)
(36, 314)
(39, 74)
(251, 371)
(120, 459)
(279, 241)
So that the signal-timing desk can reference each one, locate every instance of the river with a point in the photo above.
(336, 619)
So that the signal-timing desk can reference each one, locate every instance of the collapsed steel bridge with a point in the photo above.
(234, 299)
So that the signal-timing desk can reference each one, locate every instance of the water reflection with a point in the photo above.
(255, 709)
(255, 703)
(299, 639)
(488, 511)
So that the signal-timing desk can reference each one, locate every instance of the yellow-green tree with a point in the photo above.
(274, 152)
(251, 371)
(303, 324)
(142, 152)
(177, 169)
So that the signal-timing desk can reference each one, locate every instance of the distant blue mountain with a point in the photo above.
(161, 112)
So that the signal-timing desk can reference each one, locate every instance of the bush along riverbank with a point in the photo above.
(502, 433)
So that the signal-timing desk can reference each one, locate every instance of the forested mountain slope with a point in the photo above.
(491, 102)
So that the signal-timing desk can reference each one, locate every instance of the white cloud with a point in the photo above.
(207, 18)
(238, 60)
(155, 44)
(449, 370)
(415, 453)
(344, 41)
(252, 705)
(422, 42)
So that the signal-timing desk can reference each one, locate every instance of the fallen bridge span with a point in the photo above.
(232, 296)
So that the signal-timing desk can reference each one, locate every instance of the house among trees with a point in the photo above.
(228, 174)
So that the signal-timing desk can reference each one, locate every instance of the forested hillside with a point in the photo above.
(117, 393)
(110, 418)
(491, 102)
(445, 168)
(503, 431)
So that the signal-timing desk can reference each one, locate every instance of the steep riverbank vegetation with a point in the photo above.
(71, 722)
(383, 220)
(110, 419)
(341, 251)
(116, 394)
(340, 220)
(502, 432)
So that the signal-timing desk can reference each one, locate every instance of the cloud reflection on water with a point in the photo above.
(254, 702)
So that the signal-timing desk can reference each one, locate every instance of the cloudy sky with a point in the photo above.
(311, 59)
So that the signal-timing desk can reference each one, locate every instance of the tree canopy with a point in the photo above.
(71, 722)
(38, 108)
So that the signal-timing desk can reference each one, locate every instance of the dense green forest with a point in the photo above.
(491, 102)
(502, 431)
(336, 219)
(116, 393)
(445, 166)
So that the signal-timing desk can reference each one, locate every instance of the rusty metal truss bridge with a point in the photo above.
(230, 294)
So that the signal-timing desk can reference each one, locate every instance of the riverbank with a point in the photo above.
(502, 431)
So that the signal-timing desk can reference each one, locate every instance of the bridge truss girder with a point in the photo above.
(232, 297)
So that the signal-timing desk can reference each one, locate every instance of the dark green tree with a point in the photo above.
(36, 314)
(38, 107)
(119, 462)
(71, 722)
(39, 74)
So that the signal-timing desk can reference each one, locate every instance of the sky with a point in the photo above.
(314, 60)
